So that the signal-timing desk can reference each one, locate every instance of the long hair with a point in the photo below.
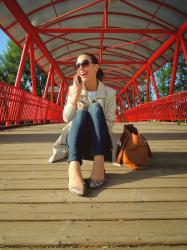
(94, 60)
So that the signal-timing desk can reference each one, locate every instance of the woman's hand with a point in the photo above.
(77, 86)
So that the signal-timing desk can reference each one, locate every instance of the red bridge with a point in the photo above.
(132, 39)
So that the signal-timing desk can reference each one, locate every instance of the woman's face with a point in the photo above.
(86, 69)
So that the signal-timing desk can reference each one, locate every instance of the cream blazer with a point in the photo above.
(106, 96)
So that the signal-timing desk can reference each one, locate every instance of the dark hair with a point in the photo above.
(94, 60)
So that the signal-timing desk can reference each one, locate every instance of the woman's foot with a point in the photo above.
(98, 172)
(76, 183)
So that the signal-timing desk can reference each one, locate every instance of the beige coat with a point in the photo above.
(104, 95)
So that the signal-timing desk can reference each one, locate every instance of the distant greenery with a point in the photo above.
(10, 60)
(163, 77)
(9, 63)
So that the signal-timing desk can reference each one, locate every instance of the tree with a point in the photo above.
(9, 63)
(163, 77)
(181, 76)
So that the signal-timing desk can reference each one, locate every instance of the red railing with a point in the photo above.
(18, 105)
(170, 108)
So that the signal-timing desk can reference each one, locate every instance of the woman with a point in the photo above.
(91, 108)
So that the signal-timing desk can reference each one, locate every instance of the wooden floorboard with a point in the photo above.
(117, 181)
(94, 232)
(102, 195)
(135, 210)
(160, 247)
(89, 211)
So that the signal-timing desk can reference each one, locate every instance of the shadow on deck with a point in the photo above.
(136, 209)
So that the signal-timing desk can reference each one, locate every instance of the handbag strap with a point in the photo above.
(124, 139)
(150, 154)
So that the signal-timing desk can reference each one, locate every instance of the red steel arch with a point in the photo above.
(132, 39)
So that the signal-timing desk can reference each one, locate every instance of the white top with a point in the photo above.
(106, 97)
(92, 95)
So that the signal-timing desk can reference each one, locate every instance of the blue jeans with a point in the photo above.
(94, 119)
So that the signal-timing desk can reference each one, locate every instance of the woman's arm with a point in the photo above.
(72, 98)
(70, 107)
(110, 107)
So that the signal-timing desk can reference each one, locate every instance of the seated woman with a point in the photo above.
(91, 109)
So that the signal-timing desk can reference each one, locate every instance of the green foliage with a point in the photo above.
(9, 63)
(181, 76)
(163, 77)
(41, 79)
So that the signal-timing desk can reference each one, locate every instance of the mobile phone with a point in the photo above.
(79, 80)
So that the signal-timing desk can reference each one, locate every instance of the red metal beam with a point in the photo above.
(52, 85)
(59, 18)
(160, 24)
(47, 83)
(20, 16)
(105, 25)
(19, 44)
(154, 82)
(122, 104)
(135, 42)
(149, 14)
(178, 11)
(133, 94)
(30, 108)
(41, 8)
(114, 86)
(106, 30)
(96, 51)
(128, 101)
(22, 63)
(62, 93)
(170, 108)
(147, 85)
(138, 17)
(70, 58)
(119, 55)
(184, 49)
(156, 38)
(151, 22)
(137, 92)
(116, 78)
(139, 62)
(158, 53)
(59, 98)
(33, 70)
(174, 68)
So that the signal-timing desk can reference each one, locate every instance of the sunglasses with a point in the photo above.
(84, 64)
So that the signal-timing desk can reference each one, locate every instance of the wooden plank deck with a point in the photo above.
(136, 209)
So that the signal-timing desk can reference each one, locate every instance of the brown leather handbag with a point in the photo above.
(133, 150)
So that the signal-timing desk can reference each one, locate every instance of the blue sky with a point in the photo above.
(3, 41)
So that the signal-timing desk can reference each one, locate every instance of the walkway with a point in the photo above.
(142, 209)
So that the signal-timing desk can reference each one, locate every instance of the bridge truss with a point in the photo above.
(132, 40)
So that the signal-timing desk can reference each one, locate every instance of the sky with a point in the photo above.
(3, 41)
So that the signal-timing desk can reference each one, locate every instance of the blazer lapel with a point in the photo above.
(100, 91)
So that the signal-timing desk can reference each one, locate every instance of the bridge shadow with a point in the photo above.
(163, 164)
(28, 138)
(52, 137)
(180, 135)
